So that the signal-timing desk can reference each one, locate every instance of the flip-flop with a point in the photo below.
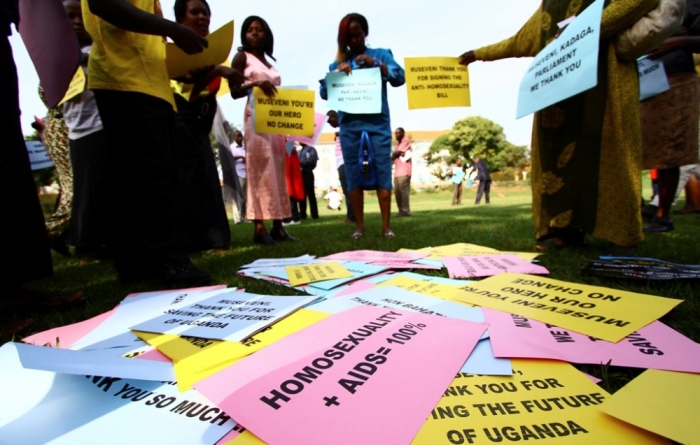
(389, 234)
(34, 301)
(357, 235)
(10, 327)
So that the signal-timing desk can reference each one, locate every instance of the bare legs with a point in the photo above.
(357, 198)
(668, 183)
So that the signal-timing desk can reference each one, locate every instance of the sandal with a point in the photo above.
(562, 239)
(357, 235)
(265, 239)
(389, 234)
(659, 225)
(11, 327)
(34, 301)
(282, 235)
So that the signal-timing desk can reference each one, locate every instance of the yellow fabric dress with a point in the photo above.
(586, 150)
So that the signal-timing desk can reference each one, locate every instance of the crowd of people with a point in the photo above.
(160, 177)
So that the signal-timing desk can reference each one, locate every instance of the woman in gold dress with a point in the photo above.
(586, 150)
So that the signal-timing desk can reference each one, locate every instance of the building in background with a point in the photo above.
(422, 177)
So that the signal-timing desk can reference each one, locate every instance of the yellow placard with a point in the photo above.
(666, 403)
(544, 402)
(290, 112)
(459, 249)
(76, 86)
(197, 358)
(599, 312)
(429, 288)
(464, 249)
(220, 43)
(225, 88)
(436, 82)
(313, 273)
(246, 438)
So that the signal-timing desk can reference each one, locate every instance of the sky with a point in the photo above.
(305, 44)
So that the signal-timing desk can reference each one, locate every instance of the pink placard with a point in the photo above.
(67, 335)
(50, 39)
(655, 346)
(404, 265)
(489, 265)
(370, 256)
(357, 286)
(358, 375)
(155, 356)
(319, 121)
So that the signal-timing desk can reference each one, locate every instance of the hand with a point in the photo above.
(187, 39)
(395, 154)
(267, 87)
(345, 67)
(232, 75)
(332, 118)
(667, 46)
(365, 61)
(467, 58)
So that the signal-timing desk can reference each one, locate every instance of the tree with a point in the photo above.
(470, 137)
(513, 159)
(440, 152)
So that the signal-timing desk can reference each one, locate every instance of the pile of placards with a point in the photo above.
(375, 354)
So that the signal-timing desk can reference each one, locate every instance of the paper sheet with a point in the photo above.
(543, 402)
(599, 312)
(220, 43)
(654, 346)
(666, 403)
(350, 385)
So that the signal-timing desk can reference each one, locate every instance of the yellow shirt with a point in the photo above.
(127, 61)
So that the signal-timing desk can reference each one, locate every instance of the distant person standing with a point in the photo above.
(238, 152)
(402, 172)
(457, 177)
(484, 178)
(308, 157)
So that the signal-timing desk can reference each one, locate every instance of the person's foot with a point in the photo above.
(265, 239)
(649, 211)
(686, 211)
(659, 225)
(282, 235)
(562, 239)
(389, 234)
(357, 235)
(59, 246)
(291, 223)
(11, 327)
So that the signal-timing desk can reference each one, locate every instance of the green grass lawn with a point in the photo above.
(505, 225)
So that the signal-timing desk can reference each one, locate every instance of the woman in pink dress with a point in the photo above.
(265, 156)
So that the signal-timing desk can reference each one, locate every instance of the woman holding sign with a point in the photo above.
(202, 221)
(586, 150)
(265, 154)
(353, 54)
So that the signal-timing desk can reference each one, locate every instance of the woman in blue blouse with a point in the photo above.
(353, 54)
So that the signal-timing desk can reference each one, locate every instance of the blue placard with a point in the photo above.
(360, 92)
(566, 67)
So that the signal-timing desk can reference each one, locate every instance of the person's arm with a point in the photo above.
(622, 14)
(525, 43)
(128, 17)
(690, 41)
(232, 75)
(391, 70)
(241, 90)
